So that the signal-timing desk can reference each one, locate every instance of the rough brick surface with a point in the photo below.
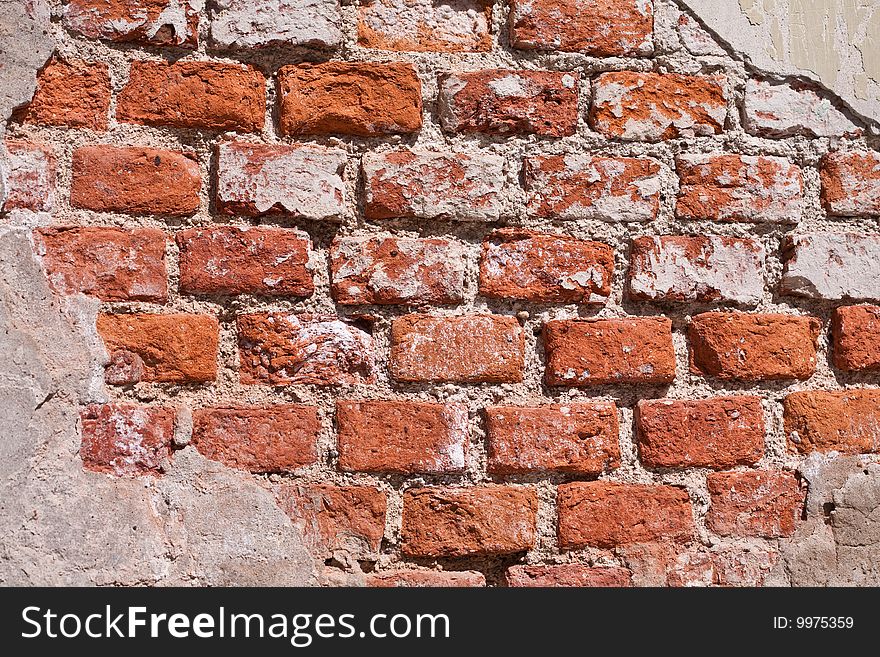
(231, 260)
(746, 347)
(433, 185)
(74, 93)
(832, 266)
(426, 25)
(199, 95)
(695, 37)
(577, 439)
(258, 179)
(717, 433)
(504, 102)
(856, 336)
(766, 504)
(696, 269)
(466, 349)
(457, 522)
(278, 438)
(577, 186)
(135, 180)
(147, 22)
(402, 437)
(259, 23)
(652, 107)
(426, 578)
(363, 99)
(172, 348)
(281, 349)
(112, 264)
(606, 515)
(782, 110)
(841, 421)
(388, 270)
(851, 183)
(29, 176)
(609, 351)
(602, 28)
(569, 574)
(545, 268)
(126, 439)
(739, 188)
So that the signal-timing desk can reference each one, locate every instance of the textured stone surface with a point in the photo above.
(569, 574)
(851, 183)
(855, 333)
(426, 25)
(832, 266)
(425, 578)
(258, 23)
(71, 93)
(766, 504)
(695, 38)
(844, 421)
(150, 22)
(124, 439)
(782, 110)
(29, 176)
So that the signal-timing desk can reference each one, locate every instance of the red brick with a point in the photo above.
(503, 102)
(606, 514)
(112, 264)
(337, 518)
(655, 106)
(465, 349)
(426, 578)
(358, 98)
(462, 26)
(823, 265)
(260, 179)
(278, 438)
(431, 185)
(135, 180)
(147, 22)
(389, 270)
(574, 438)
(577, 186)
(754, 503)
(844, 421)
(568, 575)
(602, 28)
(246, 24)
(699, 268)
(609, 351)
(545, 268)
(284, 349)
(856, 336)
(747, 347)
(173, 348)
(739, 188)
(29, 176)
(717, 433)
(784, 110)
(198, 95)
(851, 183)
(74, 94)
(402, 437)
(458, 522)
(230, 260)
(126, 439)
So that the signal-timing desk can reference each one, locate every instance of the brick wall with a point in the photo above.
(512, 293)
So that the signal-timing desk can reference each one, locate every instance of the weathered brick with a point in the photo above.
(403, 437)
(606, 514)
(856, 337)
(173, 348)
(783, 110)
(112, 264)
(503, 102)
(745, 347)
(29, 176)
(609, 351)
(851, 183)
(126, 439)
(654, 106)
(337, 518)
(754, 503)
(389, 270)
(148, 22)
(426, 578)
(359, 98)
(739, 188)
(230, 260)
(283, 349)
(568, 575)
(699, 268)
(602, 28)
(696, 39)
(277, 438)
(135, 180)
(425, 25)
(199, 95)
(832, 266)
(843, 421)
(717, 433)
(458, 522)
(430, 185)
(578, 186)
(74, 93)
(259, 23)
(545, 268)
(465, 349)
